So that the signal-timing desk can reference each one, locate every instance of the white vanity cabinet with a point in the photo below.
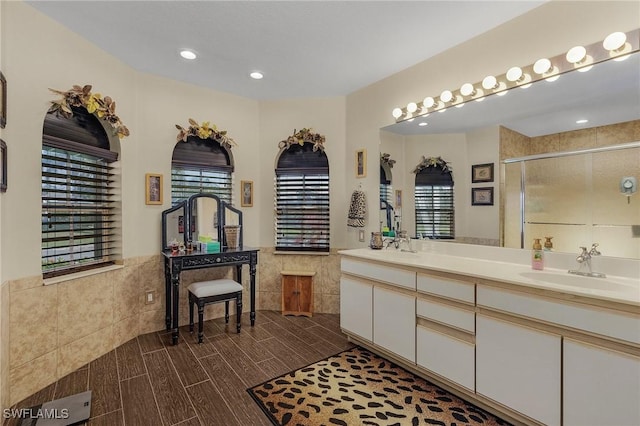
(519, 367)
(531, 355)
(356, 301)
(601, 387)
(446, 328)
(376, 304)
(394, 322)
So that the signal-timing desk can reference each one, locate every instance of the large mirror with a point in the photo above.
(173, 225)
(608, 95)
(205, 217)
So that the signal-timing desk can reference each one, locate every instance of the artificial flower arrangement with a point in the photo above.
(205, 131)
(432, 162)
(386, 159)
(94, 103)
(304, 135)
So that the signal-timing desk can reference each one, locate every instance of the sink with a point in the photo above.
(575, 281)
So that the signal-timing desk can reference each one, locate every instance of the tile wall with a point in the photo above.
(55, 329)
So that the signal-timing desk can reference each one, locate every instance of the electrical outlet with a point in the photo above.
(150, 297)
(361, 235)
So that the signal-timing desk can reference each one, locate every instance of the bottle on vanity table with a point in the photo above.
(537, 255)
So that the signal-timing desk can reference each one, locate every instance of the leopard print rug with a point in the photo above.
(356, 387)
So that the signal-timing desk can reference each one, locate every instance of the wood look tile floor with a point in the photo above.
(148, 382)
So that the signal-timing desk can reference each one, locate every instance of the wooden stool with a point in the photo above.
(205, 292)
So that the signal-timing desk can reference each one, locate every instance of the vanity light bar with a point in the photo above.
(616, 46)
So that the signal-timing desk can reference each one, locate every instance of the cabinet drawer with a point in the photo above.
(449, 315)
(595, 320)
(384, 273)
(450, 289)
(444, 355)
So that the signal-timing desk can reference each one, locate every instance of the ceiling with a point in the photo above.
(304, 48)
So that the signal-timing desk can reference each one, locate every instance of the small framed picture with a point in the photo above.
(361, 163)
(398, 198)
(153, 188)
(247, 193)
(482, 173)
(3, 166)
(3, 101)
(482, 196)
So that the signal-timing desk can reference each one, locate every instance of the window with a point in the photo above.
(434, 203)
(302, 199)
(79, 210)
(385, 184)
(201, 165)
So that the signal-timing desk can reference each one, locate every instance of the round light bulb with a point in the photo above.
(614, 41)
(467, 89)
(489, 82)
(542, 66)
(514, 74)
(446, 96)
(412, 107)
(397, 113)
(188, 54)
(428, 102)
(576, 54)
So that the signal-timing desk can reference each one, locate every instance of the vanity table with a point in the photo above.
(202, 215)
(174, 264)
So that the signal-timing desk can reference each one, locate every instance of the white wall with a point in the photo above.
(278, 120)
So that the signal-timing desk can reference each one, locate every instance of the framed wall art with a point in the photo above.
(247, 193)
(361, 163)
(482, 196)
(482, 173)
(3, 166)
(3, 101)
(398, 198)
(153, 188)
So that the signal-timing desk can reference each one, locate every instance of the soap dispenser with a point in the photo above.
(537, 255)
(548, 245)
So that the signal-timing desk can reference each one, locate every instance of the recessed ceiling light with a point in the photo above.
(582, 121)
(422, 123)
(188, 54)
(256, 75)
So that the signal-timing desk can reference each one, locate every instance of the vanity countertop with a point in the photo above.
(613, 288)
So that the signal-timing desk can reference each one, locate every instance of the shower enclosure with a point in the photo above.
(576, 197)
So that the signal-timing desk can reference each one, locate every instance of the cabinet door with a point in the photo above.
(519, 367)
(305, 294)
(356, 307)
(600, 387)
(394, 322)
(290, 294)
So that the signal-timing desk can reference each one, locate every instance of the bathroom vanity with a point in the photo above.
(536, 347)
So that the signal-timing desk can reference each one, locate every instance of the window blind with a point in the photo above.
(190, 180)
(434, 211)
(78, 225)
(302, 210)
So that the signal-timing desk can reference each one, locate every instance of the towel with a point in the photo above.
(357, 209)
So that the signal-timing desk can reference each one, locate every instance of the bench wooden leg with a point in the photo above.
(226, 311)
(200, 321)
(238, 312)
(190, 314)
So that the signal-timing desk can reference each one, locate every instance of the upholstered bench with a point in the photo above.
(205, 292)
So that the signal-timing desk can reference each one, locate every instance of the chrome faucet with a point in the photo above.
(400, 239)
(584, 260)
